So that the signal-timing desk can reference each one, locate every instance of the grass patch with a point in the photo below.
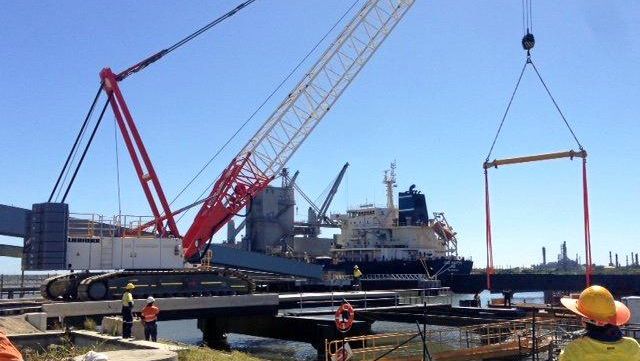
(65, 351)
(207, 354)
(90, 324)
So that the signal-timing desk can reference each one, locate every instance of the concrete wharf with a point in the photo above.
(264, 315)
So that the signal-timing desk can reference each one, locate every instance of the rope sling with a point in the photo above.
(528, 42)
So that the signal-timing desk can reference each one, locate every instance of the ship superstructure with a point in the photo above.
(397, 240)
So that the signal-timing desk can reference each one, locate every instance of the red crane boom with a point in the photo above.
(299, 113)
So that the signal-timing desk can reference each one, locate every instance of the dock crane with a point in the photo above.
(317, 216)
(164, 269)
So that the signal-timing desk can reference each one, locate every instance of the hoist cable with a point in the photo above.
(208, 26)
(530, 16)
(556, 105)
(75, 143)
(73, 158)
(84, 153)
(157, 56)
(504, 116)
(286, 78)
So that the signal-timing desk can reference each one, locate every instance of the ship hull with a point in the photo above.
(441, 266)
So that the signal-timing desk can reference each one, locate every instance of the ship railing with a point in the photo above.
(396, 276)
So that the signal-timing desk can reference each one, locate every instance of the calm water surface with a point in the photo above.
(271, 349)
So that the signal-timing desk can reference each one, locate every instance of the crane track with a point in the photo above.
(63, 287)
(157, 283)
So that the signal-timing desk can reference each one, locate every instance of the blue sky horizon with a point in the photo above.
(431, 98)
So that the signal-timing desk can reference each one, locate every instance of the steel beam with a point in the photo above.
(14, 221)
(535, 158)
(237, 258)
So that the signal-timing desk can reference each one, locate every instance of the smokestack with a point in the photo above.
(627, 257)
(637, 259)
(544, 256)
(617, 263)
(610, 260)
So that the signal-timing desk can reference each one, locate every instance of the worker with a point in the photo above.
(508, 296)
(127, 311)
(357, 274)
(149, 317)
(476, 300)
(601, 317)
(8, 352)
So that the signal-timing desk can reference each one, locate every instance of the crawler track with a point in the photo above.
(63, 287)
(156, 283)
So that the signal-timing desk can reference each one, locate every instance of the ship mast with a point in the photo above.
(390, 181)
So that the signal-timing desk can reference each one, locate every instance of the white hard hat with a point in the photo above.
(150, 299)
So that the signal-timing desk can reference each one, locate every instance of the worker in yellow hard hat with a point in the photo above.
(127, 310)
(357, 274)
(601, 316)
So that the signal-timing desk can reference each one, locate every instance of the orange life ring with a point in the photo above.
(344, 317)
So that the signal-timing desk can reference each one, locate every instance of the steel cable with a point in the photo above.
(75, 144)
(556, 105)
(286, 78)
(504, 116)
(84, 153)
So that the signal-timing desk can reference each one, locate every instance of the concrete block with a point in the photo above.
(633, 302)
(138, 355)
(113, 326)
(38, 320)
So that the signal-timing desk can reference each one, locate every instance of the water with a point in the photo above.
(186, 331)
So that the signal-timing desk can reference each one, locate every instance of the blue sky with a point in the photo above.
(431, 98)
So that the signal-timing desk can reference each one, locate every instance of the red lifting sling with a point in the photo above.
(585, 199)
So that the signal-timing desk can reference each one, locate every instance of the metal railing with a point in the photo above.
(90, 225)
(518, 338)
(363, 299)
(19, 285)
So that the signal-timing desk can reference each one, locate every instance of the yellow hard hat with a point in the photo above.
(130, 286)
(596, 305)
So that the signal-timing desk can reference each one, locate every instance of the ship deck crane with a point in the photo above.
(317, 216)
(324, 208)
(263, 156)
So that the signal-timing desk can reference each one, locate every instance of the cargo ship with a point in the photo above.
(396, 240)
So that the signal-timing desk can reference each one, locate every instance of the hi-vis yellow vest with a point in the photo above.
(588, 349)
(127, 298)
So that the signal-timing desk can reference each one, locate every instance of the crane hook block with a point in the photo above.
(528, 41)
